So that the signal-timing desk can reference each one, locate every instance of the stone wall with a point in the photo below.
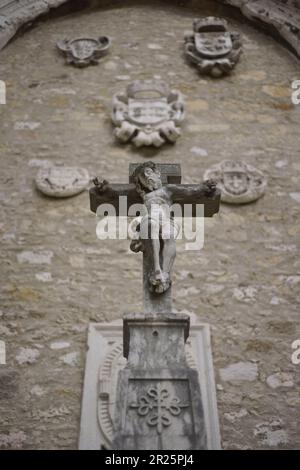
(56, 276)
(277, 16)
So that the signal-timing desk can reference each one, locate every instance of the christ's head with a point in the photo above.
(147, 178)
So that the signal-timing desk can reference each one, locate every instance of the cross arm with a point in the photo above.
(111, 195)
(195, 194)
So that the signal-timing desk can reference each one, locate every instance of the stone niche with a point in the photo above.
(281, 18)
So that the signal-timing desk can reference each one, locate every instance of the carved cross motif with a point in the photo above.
(158, 407)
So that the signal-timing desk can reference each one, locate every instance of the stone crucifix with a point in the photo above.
(158, 402)
(158, 187)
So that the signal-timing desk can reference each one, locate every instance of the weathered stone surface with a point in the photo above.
(44, 277)
(8, 383)
(32, 126)
(31, 257)
(59, 345)
(295, 196)
(27, 356)
(13, 440)
(241, 371)
(280, 379)
(272, 434)
(71, 358)
(37, 391)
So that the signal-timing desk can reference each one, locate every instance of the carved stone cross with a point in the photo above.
(158, 399)
(158, 187)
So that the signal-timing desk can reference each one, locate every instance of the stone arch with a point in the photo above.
(281, 18)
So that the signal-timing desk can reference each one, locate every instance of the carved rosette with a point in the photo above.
(239, 182)
(148, 113)
(213, 49)
(82, 52)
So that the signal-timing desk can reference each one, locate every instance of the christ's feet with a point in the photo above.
(159, 282)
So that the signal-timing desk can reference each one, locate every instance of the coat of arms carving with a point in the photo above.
(213, 49)
(148, 113)
(239, 182)
(82, 52)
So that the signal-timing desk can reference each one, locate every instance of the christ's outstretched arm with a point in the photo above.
(103, 187)
(185, 192)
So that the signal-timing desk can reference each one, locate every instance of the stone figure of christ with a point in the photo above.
(157, 230)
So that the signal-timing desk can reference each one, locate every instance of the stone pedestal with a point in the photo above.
(158, 402)
(105, 360)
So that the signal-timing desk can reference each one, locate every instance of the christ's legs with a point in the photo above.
(149, 231)
(160, 240)
(169, 234)
(156, 251)
(157, 279)
(168, 255)
(153, 227)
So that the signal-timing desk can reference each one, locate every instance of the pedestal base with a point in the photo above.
(105, 360)
(159, 409)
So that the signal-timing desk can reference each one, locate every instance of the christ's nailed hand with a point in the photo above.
(100, 185)
(209, 186)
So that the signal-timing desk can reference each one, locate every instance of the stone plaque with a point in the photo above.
(213, 49)
(82, 52)
(239, 182)
(104, 362)
(62, 181)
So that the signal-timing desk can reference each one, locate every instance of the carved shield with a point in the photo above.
(213, 44)
(83, 48)
(149, 111)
